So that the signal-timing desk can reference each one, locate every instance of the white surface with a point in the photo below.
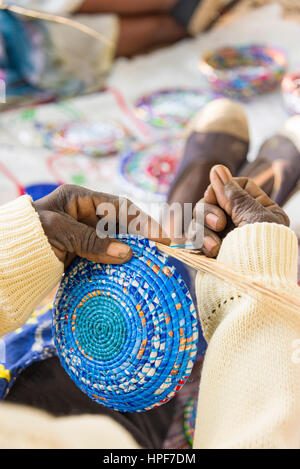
(173, 66)
(178, 65)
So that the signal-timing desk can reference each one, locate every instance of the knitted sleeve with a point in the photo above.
(29, 268)
(250, 389)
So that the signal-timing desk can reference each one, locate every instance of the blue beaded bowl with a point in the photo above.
(127, 335)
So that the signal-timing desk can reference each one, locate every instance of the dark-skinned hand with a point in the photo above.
(229, 203)
(69, 219)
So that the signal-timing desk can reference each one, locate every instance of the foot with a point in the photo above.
(277, 168)
(219, 134)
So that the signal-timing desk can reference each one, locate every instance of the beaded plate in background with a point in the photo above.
(101, 138)
(127, 335)
(190, 415)
(244, 71)
(150, 170)
(173, 108)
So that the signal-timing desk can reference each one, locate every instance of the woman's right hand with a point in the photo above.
(229, 203)
(70, 216)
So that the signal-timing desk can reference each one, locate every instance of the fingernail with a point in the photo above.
(212, 220)
(224, 174)
(209, 243)
(119, 250)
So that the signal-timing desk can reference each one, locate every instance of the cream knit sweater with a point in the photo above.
(250, 389)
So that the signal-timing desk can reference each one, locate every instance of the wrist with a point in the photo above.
(266, 252)
(29, 269)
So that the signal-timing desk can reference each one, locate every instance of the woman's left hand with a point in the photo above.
(229, 203)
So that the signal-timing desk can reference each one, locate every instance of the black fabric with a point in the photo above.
(46, 386)
(184, 10)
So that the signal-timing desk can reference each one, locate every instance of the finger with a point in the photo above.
(236, 202)
(220, 176)
(221, 173)
(210, 196)
(211, 242)
(243, 200)
(211, 215)
(264, 200)
(68, 259)
(256, 192)
(88, 207)
(136, 221)
(68, 235)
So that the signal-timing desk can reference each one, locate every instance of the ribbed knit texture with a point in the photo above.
(250, 387)
(29, 268)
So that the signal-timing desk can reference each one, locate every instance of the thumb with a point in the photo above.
(68, 236)
(235, 201)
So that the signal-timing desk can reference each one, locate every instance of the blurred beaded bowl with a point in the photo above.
(244, 71)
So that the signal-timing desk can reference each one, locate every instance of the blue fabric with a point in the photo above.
(37, 191)
(16, 64)
(32, 65)
(18, 350)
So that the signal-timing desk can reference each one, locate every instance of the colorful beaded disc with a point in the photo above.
(127, 335)
(244, 71)
(190, 415)
(91, 138)
(152, 169)
(173, 108)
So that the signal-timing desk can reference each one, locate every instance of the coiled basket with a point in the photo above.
(127, 335)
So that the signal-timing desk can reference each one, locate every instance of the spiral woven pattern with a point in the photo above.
(190, 415)
(172, 108)
(127, 335)
(99, 138)
(291, 92)
(244, 71)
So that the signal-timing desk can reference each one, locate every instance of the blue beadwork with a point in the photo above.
(127, 335)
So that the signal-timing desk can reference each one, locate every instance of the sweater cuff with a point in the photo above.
(29, 269)
(266, 252)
